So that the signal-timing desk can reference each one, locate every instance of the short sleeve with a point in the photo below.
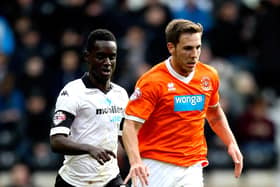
(142, 101)
(67, 101)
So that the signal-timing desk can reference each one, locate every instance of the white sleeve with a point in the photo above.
(67, 101)
(65, 111)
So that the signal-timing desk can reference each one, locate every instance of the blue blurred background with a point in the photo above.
(40, 51)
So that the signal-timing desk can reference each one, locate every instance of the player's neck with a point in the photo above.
(104, 86)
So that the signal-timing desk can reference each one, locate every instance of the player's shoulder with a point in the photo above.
(74, 87)
(119, 92)
(118, 88)
(75, 84)
(206, 68)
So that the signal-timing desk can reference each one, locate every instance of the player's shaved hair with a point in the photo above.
(177, 27)
(98, 34)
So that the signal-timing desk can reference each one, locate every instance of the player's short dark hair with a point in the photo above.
(177, 27)
(98, 34)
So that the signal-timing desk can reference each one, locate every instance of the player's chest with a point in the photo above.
(105, 107)
(185, 97)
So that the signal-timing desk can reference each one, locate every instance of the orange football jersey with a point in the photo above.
(173, 109)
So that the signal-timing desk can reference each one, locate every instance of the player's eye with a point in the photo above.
(100, 56)
(188, 48)
(112, 57)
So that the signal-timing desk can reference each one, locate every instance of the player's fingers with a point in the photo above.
(127, 178)
(133, 178)
(238, 163)
(111, 153)
(104, 157)
(147, 171)
(237, 159)
(238, 168)
(143, 180)
(141, 173)
(134, 181)
(100, 161)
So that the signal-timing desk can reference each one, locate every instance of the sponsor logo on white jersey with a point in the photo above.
(109, 110)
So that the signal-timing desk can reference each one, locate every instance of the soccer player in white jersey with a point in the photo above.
(87, 117)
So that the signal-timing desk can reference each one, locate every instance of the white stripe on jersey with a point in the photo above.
(134, 118)
(59, 130)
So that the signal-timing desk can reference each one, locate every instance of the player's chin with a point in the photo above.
(189, 69)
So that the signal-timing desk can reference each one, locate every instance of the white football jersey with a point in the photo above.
(97, 122)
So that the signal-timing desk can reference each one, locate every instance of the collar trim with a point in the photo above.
(177, 75)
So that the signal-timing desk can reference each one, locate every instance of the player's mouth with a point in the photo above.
(190, 65)
(106, 71)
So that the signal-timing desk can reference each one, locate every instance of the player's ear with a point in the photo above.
(85, 55)
(170, 47)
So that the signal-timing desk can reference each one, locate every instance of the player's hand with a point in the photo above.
(101, 155)
(140, 172)
(237, 158)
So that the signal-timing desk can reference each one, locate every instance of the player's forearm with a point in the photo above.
(130, 141)
(62, 144)
(219, 124)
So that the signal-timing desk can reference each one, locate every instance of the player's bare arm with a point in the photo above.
(137, 169)
(219, 124)
(61, 144)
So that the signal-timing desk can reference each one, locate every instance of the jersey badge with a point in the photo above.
(205, 83)
(59, 117)
(136, 94)
(170, 86)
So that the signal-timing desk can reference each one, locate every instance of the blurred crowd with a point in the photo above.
(40, 51)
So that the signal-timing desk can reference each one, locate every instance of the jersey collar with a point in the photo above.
(177, 75)
(88, 83)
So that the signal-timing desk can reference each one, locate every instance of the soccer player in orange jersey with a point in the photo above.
(164, 127)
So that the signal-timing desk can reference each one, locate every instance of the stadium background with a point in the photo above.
(40, 50)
